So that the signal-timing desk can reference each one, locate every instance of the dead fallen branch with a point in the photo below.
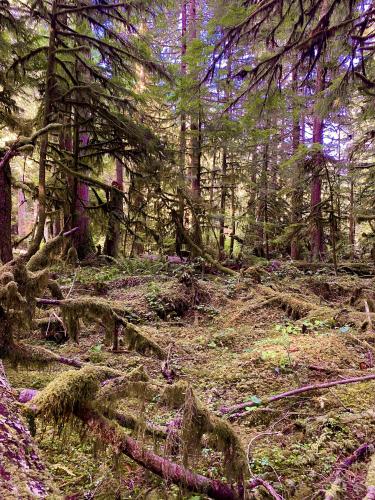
(294, 392)
(358, 454)
(168, 470)
(76, 394)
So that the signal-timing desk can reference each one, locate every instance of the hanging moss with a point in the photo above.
(71, 389)
(135, 384)
(174, 395)
(198, 421)
(55, 290)
(137, 341)
(72, 257)
(44, 255)
(101, 312)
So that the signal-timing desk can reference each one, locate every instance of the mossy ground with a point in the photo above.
(229, 349)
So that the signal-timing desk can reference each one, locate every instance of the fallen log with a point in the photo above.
(294, 392)
(22, 473)
(164, 468)
(76, 394)
(168, 470)
(101, 312)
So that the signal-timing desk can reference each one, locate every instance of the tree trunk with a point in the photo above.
(233, 213)
(22, 473)
(82, 239)
(352, 220)
(223, 196)
(195, 141)
(21, 213)
(297, 195)
(182, 152)
(262, 249)
(137, 201)
(116, 214)
(48, 99)
(6, 254)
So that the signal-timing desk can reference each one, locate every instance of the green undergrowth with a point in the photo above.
(110, 272)
(228, 352)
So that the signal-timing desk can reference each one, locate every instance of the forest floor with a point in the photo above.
(234, 340)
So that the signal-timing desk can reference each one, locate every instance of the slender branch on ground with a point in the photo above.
(294, 392)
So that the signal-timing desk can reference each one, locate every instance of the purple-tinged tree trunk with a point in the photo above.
(22, 473)
(6, 254)
(82, 239)
(21, 213)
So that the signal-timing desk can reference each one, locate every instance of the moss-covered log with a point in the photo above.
(172, 472)
(22, 473)
(101, 312)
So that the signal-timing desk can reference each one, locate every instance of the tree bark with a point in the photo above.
(116, 214)
(82, 239)
(48, 99)
(6, 253)
(297, 195)
(317, 233)
(195, 140)
(182, 152)
(22, 473)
